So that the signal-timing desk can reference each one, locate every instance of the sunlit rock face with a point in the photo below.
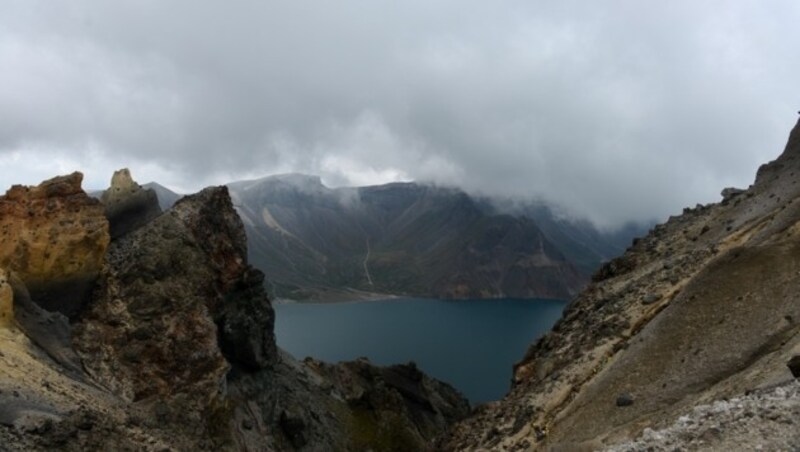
(54, 237)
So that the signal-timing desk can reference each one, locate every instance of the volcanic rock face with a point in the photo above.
(180, 326)
(704, 308)
(54, 237)
(128, 205)
(151, 327)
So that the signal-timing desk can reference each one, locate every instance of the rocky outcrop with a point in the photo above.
(312, 405)
(128, 206)
(151, 329)
(180, 328)
(54, 237)
(703, 308)
(419, 406)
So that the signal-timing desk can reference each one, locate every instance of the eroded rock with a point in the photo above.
(54, 236)
(178, 336)
(150, 330)
(128, 205)
(400, 397)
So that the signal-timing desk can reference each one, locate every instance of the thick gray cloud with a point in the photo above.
(617, 110)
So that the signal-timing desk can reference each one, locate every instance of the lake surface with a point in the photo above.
(471, 344)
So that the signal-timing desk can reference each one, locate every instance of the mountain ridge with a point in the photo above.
(690, 339)
(332, 262)
(400, 239)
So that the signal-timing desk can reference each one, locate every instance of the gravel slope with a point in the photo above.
(766, 420)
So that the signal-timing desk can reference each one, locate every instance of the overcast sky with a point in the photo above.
(616, 110)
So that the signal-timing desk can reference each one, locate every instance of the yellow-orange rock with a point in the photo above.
(54, 237)
(6, 301)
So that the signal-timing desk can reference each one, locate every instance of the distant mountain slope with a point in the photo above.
(166, 197)
(400, 238)
(581, 242)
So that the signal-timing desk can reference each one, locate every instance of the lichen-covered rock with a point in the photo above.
(54, 237)
(128, 206)
(6, 301)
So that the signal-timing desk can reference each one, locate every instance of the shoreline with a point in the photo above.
(400, 298)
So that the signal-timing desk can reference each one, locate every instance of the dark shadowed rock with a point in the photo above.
(624, 399)
(128, 206)
(650, 298)
(293, 426)
(426, 406)
(794, 366)
(50, 331)
(245, 323)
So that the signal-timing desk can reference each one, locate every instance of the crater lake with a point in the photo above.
(471, 344)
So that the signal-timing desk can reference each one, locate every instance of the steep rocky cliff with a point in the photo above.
(174, 348)
(703, 308)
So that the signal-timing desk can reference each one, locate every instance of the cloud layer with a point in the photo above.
(617, 110)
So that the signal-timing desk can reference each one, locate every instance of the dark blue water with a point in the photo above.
(471, 344)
